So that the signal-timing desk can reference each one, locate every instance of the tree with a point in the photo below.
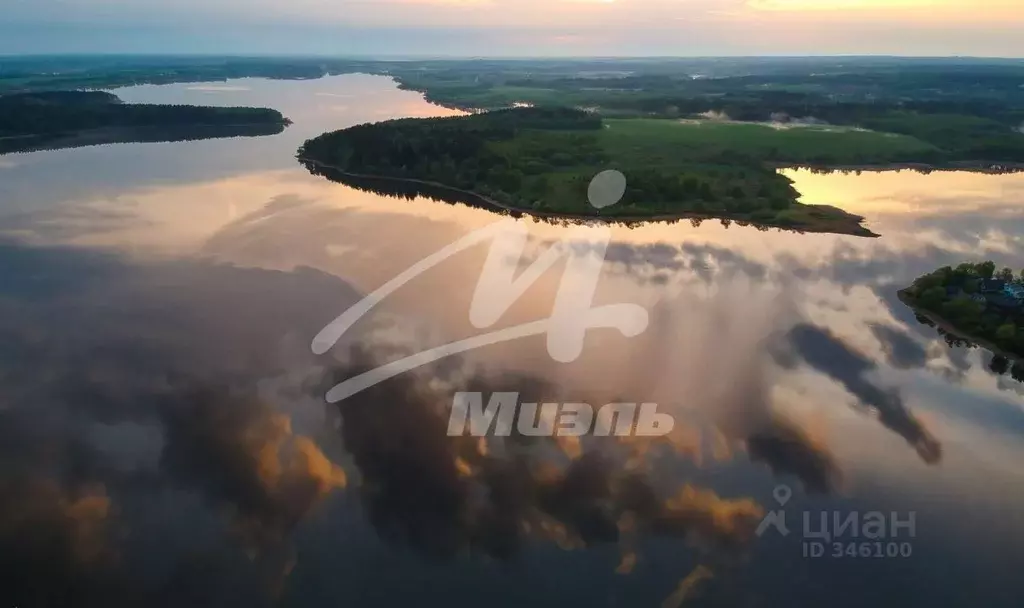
(964, 270)
(935, 279)
(1005, 274)
(933, 297)
(924, 320)
(1006, 332)
(999, 365)
(986, 269)
(963, 312)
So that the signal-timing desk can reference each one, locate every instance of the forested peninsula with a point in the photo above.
(65, 119)
(541, 161)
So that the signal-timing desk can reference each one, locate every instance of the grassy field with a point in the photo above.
(661, 139)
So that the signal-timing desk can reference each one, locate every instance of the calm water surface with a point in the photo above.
(165, 439)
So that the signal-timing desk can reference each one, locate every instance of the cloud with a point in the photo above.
(828, 354)
(900, 348)
(54, 545)
(242, 454)
(877, 7)
(788, 449)
(180, 393)
(518, 28)
(142, 399)
(702, 513)
(688, 587)
(445, 495)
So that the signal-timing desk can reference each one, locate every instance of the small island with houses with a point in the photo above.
(976, 302)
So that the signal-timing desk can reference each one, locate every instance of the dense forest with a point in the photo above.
(61, 112)
(976, 301)
(542, 160)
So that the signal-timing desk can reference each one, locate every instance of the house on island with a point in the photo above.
(1015, 291)
(1001, 295)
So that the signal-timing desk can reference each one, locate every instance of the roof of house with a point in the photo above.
(992, 284)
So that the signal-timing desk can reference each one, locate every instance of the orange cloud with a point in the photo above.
(688, 587)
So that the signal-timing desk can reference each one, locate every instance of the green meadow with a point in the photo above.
(657, 140)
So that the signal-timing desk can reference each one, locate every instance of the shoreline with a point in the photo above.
(551, 215)
(948, 327)
(970, 166)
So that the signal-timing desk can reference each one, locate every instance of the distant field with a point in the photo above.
(663, 138)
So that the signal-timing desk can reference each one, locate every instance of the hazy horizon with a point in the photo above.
(529, 28)
(425, 56)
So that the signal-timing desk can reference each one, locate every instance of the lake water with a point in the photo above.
(159, 395)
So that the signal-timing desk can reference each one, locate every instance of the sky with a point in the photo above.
(990, 28)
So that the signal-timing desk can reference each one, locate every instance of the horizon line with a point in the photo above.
(468, 57)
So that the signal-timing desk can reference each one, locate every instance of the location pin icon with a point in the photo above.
(782, 494)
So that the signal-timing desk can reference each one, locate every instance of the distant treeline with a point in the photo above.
(63, 112)
(76, 72)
